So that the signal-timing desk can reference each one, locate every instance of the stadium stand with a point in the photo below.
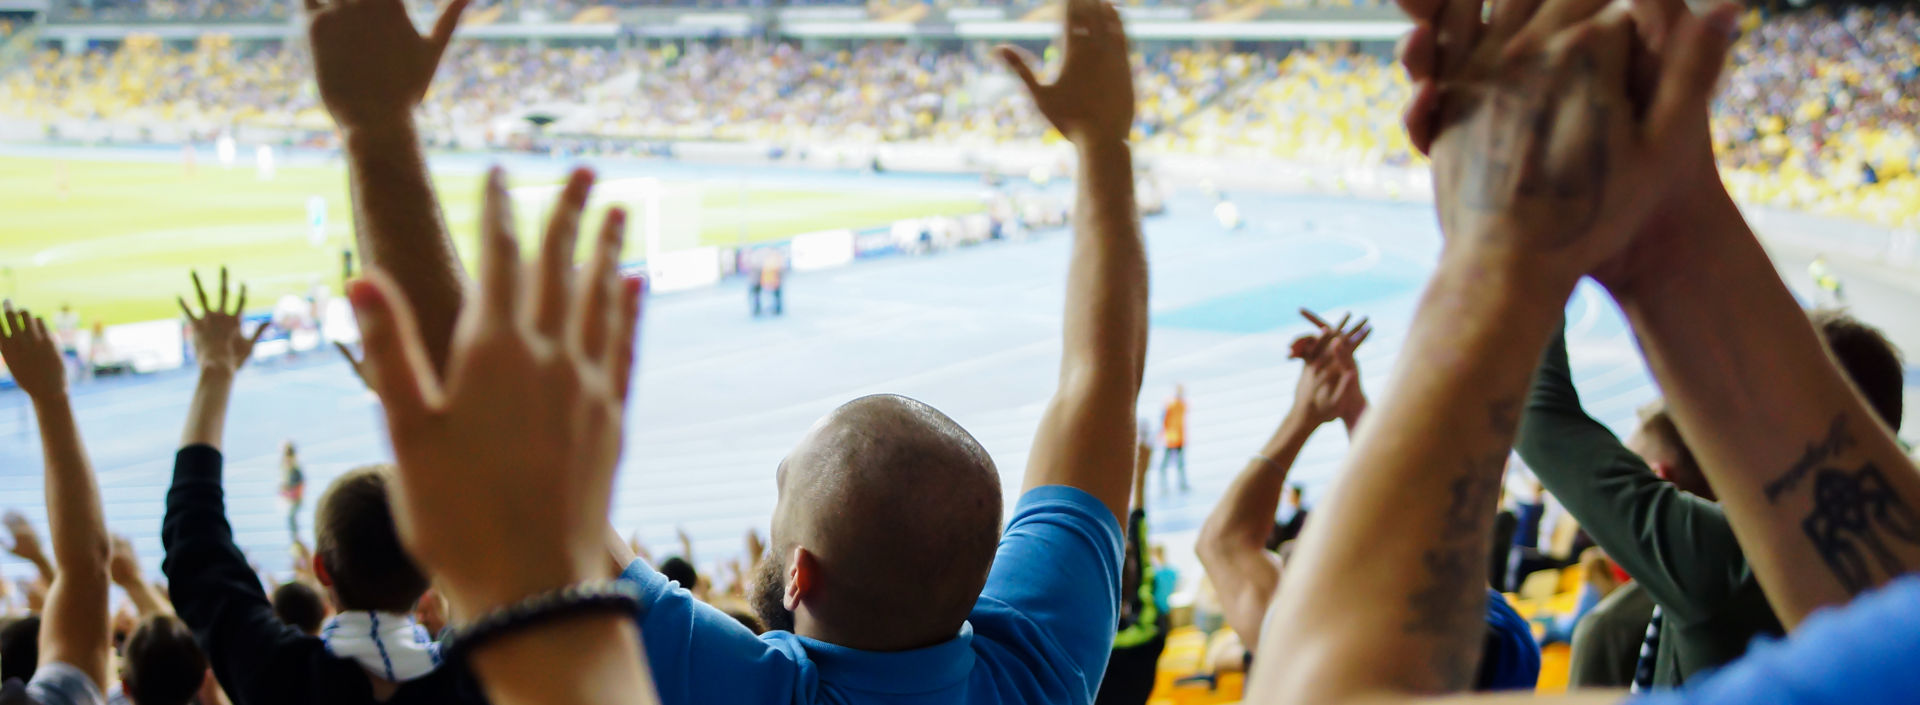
(1766, 494)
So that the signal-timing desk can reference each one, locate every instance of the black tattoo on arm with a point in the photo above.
(1450, 603)
(1818, 452)
(1857, 519)
(1855, 515)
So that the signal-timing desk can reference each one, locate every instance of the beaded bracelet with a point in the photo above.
(595, 596)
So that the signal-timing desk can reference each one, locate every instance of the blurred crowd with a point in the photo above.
(1795, 82)
(1754, 539)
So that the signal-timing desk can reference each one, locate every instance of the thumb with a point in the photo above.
(394, 352)
(443, 27)
(1699, 50)
(1022, 62)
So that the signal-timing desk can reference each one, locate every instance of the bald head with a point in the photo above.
(899, 509)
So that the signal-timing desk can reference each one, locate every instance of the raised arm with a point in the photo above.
(1679, 547)
(1818, 492)
(535, 344)
(373, 68)
(74, 628)
(1233, 541)
(26, 545)
(1086, 437)
(1541, 169)
(125, 570)
(221, 349)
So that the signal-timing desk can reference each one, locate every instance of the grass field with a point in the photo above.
(116, 242)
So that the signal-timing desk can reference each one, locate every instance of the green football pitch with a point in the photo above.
(116, 239)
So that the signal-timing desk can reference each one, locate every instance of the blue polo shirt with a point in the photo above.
(1040, 633)
(1867, 652)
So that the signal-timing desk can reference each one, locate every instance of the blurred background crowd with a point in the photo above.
(1795, 80)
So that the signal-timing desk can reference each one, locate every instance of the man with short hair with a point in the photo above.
(1646, 503)
(300, 606)
(888, 577)
(162, 664)
(372, 651)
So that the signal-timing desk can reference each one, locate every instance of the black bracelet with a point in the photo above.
(597, 596)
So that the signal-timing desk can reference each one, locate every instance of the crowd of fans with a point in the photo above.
(1764, 495)
(1797, 79)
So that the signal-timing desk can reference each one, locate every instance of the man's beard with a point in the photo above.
(768, 594)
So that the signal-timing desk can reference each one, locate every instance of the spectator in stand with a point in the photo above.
(1706, 304)
(1646, 502)
(161, 665)
(371, 651)
(302, 607)
(1133, 666)
(1033, 624)
(1233, 543)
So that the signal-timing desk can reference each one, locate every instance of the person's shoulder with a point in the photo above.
(1061, 503)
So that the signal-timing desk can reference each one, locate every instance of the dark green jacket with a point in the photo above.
(1677, 546)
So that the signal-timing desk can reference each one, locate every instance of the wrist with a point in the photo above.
(379, 132)
(511, 582)
(1294, 429)
(1500, 275)
(53, 399)
(1692, 236)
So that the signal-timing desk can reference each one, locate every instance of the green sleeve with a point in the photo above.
(1679, 547)
(1147, 612)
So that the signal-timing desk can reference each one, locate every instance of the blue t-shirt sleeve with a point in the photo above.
(1052, 600)
(698, 654)
(1863, 653)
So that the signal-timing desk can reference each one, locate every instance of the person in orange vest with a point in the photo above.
(1173, 435)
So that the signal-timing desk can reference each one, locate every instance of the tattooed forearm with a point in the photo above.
(1856, 516)
(1450, 603)
(1818, 452)
(1857, 522)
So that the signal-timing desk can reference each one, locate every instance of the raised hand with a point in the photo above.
(25, 542)
(32, 356)
(124, 567)
(1350, 401)
(217, 339)
(1659, 163)
(372, 66)
(1091, 100)
(360, 369)
(515, 448)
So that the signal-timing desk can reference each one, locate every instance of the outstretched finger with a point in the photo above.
(260, 332)
(443, 27)
(1678, 116)
(1417, 52)
(1459, 31)
(408, 389)
(1361, 336)
(556, 254)
(594, 306)
(223, 290)
(1357, 327)
(1313, 318)
(499, 251)
(240, 306)
(200, 291)
(626, 342)
(1021, 62)
(1421, 114)
(188, 310)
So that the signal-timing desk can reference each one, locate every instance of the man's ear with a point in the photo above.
(802, 570)
(320, 572)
